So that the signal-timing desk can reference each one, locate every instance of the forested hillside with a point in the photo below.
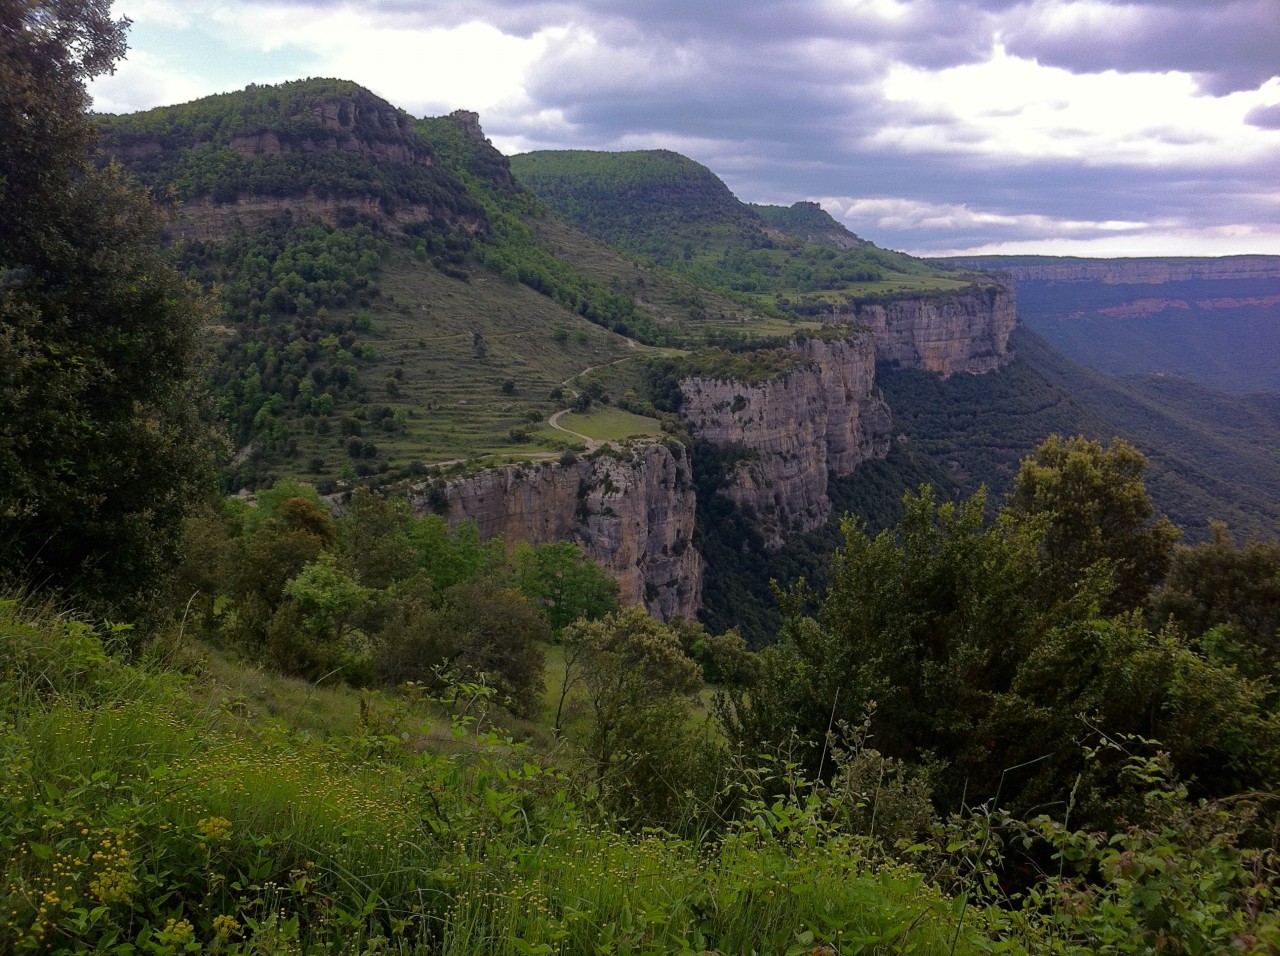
(295, 724)
(679, 214)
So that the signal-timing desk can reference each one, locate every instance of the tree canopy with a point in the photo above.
(102, 443)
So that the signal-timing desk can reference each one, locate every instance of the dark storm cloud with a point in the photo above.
(1227, 46)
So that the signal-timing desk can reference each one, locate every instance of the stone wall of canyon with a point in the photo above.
(794, 432)
(966, 331)
(632, 512)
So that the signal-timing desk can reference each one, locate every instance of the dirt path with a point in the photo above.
(554, 422)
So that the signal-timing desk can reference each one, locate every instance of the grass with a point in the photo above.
(610, 424)
(144, 815)
(145, 810)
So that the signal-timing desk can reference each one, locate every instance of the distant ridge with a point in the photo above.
(809, 222)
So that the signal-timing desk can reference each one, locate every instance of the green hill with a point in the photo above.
(809, 222)
(671, 210)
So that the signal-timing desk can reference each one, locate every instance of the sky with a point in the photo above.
(937, 127)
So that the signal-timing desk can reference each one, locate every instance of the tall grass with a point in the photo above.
(140, 813)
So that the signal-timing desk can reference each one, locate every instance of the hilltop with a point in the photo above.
(676, 212)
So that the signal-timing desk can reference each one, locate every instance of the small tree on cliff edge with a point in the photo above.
(102, 447)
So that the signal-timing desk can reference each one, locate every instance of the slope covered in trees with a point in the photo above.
(671, 210)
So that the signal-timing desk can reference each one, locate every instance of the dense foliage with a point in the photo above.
(380, 595)
(102, 442)
(976, 647)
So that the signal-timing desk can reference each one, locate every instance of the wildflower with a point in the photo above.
(214, 829)
(113, 886)
(225, 926)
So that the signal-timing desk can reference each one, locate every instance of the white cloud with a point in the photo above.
(142, 81)
(1015, 109)
(894, 213)
(423, 69)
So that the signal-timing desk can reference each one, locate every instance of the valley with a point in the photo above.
(407, 548)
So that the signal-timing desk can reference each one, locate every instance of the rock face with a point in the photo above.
(632, 514)
(359, 124)
(960, 332)
(208, 219)
(1131, 271)
(794, 431)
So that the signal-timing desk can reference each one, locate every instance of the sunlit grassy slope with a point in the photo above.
(465, 363)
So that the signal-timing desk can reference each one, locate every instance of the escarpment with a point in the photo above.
(793, 432)
(632, 512)
(966, 331)
(1135, 271)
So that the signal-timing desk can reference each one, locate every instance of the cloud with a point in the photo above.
(956, 121)
(1228, 46)
(1264, 117)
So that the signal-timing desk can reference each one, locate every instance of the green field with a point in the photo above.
(610, 424)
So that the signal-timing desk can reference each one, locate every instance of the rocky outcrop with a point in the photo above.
(790, 433)
(965, 331)
(631, 511)
(208, 219)
(347, 124)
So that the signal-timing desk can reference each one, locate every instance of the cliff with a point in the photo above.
(794, 431)
(1143, 271)
(632, 513)
(966, 331)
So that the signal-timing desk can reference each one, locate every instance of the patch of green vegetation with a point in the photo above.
(603, 423)
(677, 213)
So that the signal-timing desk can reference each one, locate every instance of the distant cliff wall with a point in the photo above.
(632, 512)
(966, 331)
(1131, 271)
(794, 431)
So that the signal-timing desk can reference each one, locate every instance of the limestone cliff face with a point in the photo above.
(359, 124)
(632, 513)
(967, 331)
(1131, 271)
(794, 431)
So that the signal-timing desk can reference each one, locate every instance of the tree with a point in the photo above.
(1227, 598)
(564, 584)
(927, 624)
(637, 683)
(374, 535)
(1098, 514)
(449, 558)
(492, 633)
(103, 448)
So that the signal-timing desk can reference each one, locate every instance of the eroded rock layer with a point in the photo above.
(794, 431)
(966, 331)
(632, 512)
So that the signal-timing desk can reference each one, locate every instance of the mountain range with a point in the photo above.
(613, 349)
